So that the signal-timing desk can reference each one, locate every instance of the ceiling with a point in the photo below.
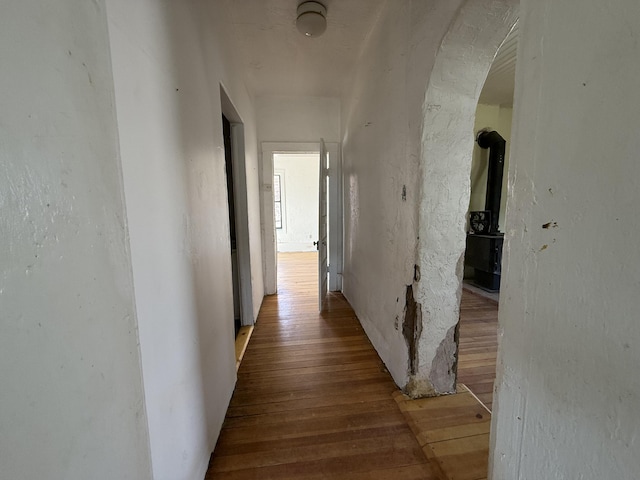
(498, 88)
(279, 60)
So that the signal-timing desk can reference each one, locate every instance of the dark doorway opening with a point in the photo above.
(235, 272)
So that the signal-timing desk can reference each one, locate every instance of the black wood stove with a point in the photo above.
(484, 241)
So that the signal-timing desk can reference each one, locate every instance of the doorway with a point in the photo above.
(295, 205)
(270, 151)
(478, 340)
(295, 192)
(236, 176)
(233, 240)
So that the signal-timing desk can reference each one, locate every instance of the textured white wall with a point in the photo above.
(568, 399)
(407, 143)
(169, 61)
(381, 119)
(300, 202)
(460, 70)
(71, 395)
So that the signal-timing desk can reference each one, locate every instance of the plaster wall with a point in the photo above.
(71, 392)
(498, 118)
(298, 119)
(463, 61)
(568, 389)
(407, 143)
(299, 174)
(170, 59)
(381, 120)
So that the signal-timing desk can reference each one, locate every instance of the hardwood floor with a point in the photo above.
(313, 400)
(478, 345)
(453, 431)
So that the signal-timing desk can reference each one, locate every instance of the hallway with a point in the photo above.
(313, 400)
(116, 293)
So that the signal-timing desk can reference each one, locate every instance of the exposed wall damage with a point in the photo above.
(460, 68)
(407, 194)
(442, 375)
(445, 364)
(412, 328)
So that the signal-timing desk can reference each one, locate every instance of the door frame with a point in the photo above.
(269, 241)
(238, 162)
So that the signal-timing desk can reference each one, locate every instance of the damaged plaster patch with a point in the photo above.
(445, 363)
(412, 328)
(418, 388)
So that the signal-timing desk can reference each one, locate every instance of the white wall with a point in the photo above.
(498, 118)
(169, 61)
(298, 119)
(381, 118)
(407, 143)
(568, 399)
(455, 83)
(299, 177)
(71, 396)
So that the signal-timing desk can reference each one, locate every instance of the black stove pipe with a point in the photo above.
(496, 145)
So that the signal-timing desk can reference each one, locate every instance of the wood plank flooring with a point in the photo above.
(453, 432)
(313, 400)
(478, 345)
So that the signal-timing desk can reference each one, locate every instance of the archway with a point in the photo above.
(462, 63)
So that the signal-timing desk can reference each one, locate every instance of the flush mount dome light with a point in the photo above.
(311, 19)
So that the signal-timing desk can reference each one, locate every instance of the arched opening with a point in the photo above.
(462, 63)
(478, 330)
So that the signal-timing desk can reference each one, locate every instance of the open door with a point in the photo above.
(323, 267)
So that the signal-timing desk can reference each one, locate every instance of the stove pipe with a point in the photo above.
(496, 145)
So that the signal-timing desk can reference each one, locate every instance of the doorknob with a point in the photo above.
(315, 244)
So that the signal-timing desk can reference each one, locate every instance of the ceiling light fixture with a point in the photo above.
(311, 19)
